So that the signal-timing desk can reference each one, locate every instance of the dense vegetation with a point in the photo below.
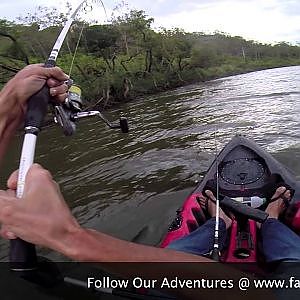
(127, 58)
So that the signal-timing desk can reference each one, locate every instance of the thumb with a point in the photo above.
(36, 177)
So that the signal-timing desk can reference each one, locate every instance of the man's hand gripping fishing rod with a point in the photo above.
(23, 254)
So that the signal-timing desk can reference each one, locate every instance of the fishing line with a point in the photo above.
(75, 51)
(87, 9)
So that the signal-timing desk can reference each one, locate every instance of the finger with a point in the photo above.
(52, 82)
(7, 193)
(13, 180)
(7, 209)
(7, 234)
(36, 178)
(56, 73)
(36, 171)
(61, 98)
(57, 90)
(11, 193)
(3, 194)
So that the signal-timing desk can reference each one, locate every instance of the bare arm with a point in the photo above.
(43, 218)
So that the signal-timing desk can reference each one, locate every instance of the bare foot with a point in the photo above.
(211, 207)
(276, 207)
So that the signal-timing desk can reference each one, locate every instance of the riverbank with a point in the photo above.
(127, 59)
(230, 68)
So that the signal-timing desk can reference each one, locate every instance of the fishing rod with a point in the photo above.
(22, 254)
(215, 253)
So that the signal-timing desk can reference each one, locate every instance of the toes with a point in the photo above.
(201, 201)
(287, 194)
(210, 195)
(278, 192)
(286, 199)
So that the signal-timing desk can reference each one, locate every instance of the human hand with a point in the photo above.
(14, 96)
(27, 82)
(41, 216)
(32, 78)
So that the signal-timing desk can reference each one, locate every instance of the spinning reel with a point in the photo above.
(69, 112)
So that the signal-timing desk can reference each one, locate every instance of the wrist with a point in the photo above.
(88, 245)
(10, 111)
(3, 116)
(73, 243)
(8, 97)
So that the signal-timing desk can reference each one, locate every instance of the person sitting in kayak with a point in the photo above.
(279, 242)
(42, 216)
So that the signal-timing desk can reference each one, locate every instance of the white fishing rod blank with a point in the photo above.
(215, 254)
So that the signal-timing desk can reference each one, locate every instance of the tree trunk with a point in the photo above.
(150, 61)
(126, 86)
(126, 44)
(179, 64)
(107, 96)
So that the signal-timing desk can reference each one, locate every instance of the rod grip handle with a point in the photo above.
(37, 108)
(22, 255)
(38, 103)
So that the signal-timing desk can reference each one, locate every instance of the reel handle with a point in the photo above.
(124, 125)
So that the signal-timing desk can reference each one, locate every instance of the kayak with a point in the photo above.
(247, 177)
(245, 171)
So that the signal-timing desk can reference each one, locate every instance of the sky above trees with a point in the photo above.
(260, 20)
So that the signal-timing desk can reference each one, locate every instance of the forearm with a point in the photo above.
(155, 263)
(88, 245)
(3, 115)
(9, 117)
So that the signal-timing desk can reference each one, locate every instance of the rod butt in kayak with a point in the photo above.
(22, 256)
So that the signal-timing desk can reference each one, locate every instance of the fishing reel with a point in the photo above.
(69, 112)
